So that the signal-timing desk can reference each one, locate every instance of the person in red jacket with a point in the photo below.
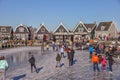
(95, 61)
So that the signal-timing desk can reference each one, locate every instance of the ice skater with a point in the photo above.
(32, 62)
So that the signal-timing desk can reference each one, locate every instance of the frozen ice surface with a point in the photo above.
(81, 70)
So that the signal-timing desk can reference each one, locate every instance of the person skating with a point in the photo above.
(3, 67)
(100, 62)
(110, 62)
(97, 49)
(91, 51)
(62, 51)
(53, 46)
(68, 51)
(32, 62)
(104, 63)
(70, 58)
(72, 55)
(106, 51)
(95, 61)
(58, 59)
(47, 46)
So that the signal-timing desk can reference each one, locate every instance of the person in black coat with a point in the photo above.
(70, 58)
(72, 55)
(110, 62)
(32, 62)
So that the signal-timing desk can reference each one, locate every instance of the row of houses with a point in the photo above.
(61, 33)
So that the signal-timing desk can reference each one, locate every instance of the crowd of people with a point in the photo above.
(70, 55)
(100, 55)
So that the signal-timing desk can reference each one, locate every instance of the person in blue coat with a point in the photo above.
(91, 51)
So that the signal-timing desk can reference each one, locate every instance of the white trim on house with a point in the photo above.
(41, 27)
(93, 27)
(23, 26)
(59, 26)
(114, 25)
(78, 25)
(116, 29)
(110, 26)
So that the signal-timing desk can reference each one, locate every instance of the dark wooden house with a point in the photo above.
(43, 31)
(62, 34)
(82, 31)
(6, 32)
(21, 32)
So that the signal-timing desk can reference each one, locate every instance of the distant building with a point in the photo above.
(22, 32)
(6, 32)
(31, 33)
(61, 33)
(82, 31)
(41, 31)
(106, 30)
(35, 34)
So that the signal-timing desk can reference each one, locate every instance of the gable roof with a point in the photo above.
(8, 29)
(30, 28)
(90, 27)
(42, 29)
(61, 28)
(21, 26)
(80, 24)
(106, 26)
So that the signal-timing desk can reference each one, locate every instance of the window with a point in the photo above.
(61, 30)
(3, 30)
(42, 29)
(81, 29)
(89, 29)
(102, 28)
(21, 29)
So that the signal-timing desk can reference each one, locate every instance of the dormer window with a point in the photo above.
(42, 29)
(81, 29)
(61, 30)
(102, 28)
(3, 30)
(89, 29)
(80, 25)
(21, 29)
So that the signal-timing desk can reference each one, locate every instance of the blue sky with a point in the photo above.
(52, 12)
